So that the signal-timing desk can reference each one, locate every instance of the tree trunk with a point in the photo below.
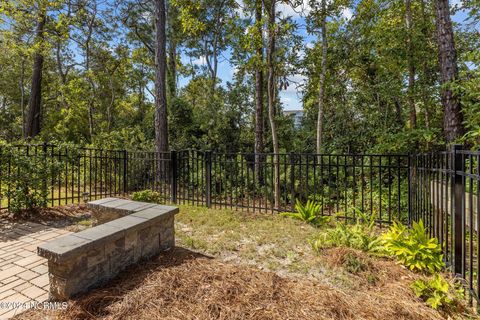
(34, 115)
(161, 130)
(172, 51)
(426, 78)
(323, 74)
(22, 94)
(411, 64)
(259, 148)
(398, 111)
(271, 102)
(172, 69)
(447, 57)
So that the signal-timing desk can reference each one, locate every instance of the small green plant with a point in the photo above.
(413, 248)
(353, 264)
(358, 236)
(435, 291)
(147, 196)
(355, 236)
(310, 213)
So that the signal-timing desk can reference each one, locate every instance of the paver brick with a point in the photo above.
(13, 285)
(41, 281)
(22, 286)
(8, 280)
(29, 260)
(17, 298)
(41, 269)
(25, 253)
(7, 264)
(33, 292)
(36, 263)
(44, 297)
(47, 236)
(7, 293)
(28, 275)
(4, 274)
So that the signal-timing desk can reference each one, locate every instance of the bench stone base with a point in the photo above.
(81, 261)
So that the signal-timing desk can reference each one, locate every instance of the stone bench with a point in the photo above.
(79, 261)
(108, 209)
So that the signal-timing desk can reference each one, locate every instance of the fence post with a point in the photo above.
(208, 178)
(409, 189)
(47, 173)
(173, 175)
(292, 180)
(125, 171)
(458, 218)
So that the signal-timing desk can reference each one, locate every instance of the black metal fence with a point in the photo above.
(445, 194)
(60, 175)
(377, 184)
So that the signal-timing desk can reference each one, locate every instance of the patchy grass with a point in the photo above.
(269, 242)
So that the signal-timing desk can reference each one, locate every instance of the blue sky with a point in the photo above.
(292, 98)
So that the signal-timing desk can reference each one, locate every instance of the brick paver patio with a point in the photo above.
(23, 274)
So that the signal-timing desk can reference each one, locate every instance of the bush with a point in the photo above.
(28, 176)
(413, 248)
(435, 291)
(310, 213)
(147, 196)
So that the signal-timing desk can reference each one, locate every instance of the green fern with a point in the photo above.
(354, 236)
(310, 213)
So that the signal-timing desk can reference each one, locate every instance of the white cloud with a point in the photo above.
(200, 61)
(287, 10)
(347, 13)
(239, 9)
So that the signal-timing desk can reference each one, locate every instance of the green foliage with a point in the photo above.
(435, 291)
(27, 177)
(413, 248)
(147, 196)
(354, 264)
(310, 213)
(355, 236)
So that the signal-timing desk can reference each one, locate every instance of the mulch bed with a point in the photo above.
(57, 217)
(181, 284)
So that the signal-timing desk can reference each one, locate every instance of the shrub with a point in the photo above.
(147, 196)
(413, 248)
(435, 291)
(310, 213)
(28, 177)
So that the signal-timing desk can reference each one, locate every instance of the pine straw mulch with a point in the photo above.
(65, 216)
(181, 284)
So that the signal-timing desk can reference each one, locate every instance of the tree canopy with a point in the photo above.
(370, 75)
